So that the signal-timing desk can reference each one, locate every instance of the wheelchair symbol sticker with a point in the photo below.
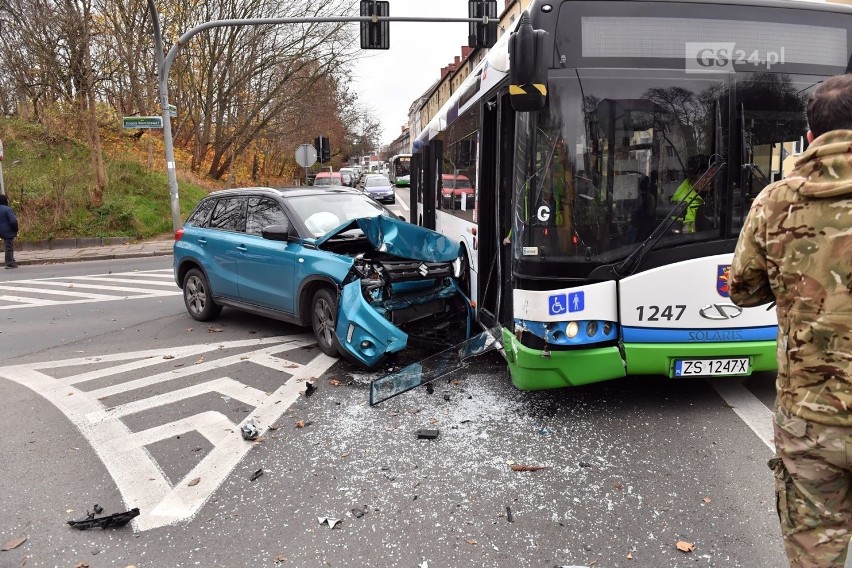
(557, 304)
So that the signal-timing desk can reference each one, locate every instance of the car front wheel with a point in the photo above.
(198, 296)
(324, 320)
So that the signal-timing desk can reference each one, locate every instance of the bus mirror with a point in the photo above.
(527, 67)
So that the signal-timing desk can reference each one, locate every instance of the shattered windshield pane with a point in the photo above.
(433, 367)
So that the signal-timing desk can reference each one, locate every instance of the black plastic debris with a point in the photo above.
(97, 509)
(358, 513)
(107, 522)
(256, 474)
(509, 516)
(249, 430)
(447, 396)
(427, 433)
(430, 388)
(309, 389)
(585, 464)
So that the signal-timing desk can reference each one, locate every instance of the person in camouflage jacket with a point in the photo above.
(795, 249)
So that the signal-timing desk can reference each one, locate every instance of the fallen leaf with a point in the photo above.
(189, 329)
(521, 467)
(344, 454)
(199, 360)
(618, 487)
(70, 393)
(194, 482)
(630, 556)
(300, 424)
(334, 382)
(168, 356)
(214, 330)
(14, 543)
(470, 541)
(684, 546)
(81, 564)
(273, 426)
(280, 558)
(259, 440)
(708, 500)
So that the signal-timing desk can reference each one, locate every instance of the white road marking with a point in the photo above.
(748, 407)
(138, 476)
(149, 284)
(402, 204)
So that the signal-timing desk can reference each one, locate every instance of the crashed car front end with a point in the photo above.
(402, 289)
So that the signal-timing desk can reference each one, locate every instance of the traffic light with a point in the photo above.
(375, 35)
(479, 34)
(323, 148)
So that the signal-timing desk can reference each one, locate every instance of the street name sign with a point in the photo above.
(143, 122)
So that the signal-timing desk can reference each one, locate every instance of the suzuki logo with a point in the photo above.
(423, 269)
(720, 311)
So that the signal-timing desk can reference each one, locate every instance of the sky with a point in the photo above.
(388, 81)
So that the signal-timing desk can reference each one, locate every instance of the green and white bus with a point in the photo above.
(400, 170)
(614, 149)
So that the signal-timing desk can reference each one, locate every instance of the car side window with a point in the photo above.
(263, 212)
(201, 214)
(229, 214)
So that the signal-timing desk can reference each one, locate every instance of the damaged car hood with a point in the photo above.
(400, 238)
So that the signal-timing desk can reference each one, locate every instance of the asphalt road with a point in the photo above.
(117, 397)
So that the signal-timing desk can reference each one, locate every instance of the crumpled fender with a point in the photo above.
(367, 325)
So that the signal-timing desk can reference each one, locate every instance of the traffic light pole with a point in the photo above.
(165, 63)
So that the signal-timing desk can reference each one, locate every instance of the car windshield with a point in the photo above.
(327, 181)
(322, 213)
(376, 182)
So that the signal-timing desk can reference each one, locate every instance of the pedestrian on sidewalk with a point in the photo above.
(8, 230)
(795, 249)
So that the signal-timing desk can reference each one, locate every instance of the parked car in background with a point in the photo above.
(325, 179)
(366, 282)
(379, 188)
(348, 176)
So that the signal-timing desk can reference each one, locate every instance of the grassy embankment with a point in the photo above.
(48, 179)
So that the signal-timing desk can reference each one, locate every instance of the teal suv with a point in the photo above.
(332, 259)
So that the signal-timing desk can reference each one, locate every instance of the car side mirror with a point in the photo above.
(281, 232)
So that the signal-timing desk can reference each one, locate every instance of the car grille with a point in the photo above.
(408, 270)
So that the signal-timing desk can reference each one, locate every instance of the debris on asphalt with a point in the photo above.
(279, 558)
(430, 388)
(335, 382)
(215, 330)
(330, 521)
(194, 482)
(427, 433)
(707, 500)
(256, 474)
(81, 564)
(14, 543)
(522, 467)
(630, 556)
(447, 396)
(97, 509)
(585, 464)
(168, 356)
(303, 423)
(249, 430)
(309, 389)
(509, 516)
(273, 426)
(684, 546)
(358, 513)
(108, 522)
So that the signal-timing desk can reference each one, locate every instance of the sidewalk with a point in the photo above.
(102, 252)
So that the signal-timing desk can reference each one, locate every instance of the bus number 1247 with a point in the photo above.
(657, 313)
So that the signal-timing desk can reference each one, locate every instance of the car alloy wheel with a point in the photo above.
(198, 296)
(324, 320)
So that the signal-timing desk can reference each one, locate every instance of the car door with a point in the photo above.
(266, 267)
(221, 243)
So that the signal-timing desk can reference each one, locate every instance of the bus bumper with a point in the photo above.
(659, 358)
(530, 371)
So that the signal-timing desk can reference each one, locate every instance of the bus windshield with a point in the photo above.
(617, 153)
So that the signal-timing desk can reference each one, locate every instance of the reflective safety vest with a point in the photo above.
(682, 193)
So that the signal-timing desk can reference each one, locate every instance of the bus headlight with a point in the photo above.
(572, 329)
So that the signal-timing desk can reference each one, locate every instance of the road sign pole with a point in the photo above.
(163, 76)
(2, 185)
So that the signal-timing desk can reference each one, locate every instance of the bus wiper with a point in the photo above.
(755, 170)
(629, 265)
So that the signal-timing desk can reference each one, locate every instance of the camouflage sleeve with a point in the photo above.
(749, 276)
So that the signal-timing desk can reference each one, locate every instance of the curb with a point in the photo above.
(85, 257)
